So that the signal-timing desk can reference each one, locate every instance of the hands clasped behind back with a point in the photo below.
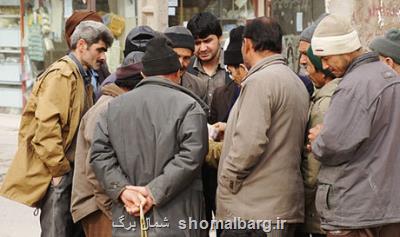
(134, 196)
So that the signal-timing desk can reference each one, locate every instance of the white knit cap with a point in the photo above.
(334, 36)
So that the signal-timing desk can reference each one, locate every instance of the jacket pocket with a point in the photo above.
(322, 198)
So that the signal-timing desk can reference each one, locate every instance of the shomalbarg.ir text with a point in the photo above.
(236, 224)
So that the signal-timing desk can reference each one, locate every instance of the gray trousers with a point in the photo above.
(55, 215)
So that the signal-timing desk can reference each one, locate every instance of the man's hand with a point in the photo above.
(312, 135)
(56, 180)
(220, 127)
(132, 201)
(145, 199)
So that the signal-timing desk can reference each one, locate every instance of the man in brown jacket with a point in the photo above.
(89, 203)
(41, 172)
(260, 191)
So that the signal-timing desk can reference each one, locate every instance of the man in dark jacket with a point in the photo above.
(225, 96)
(148, 149)
(208, 63)
(135, 45)
(358, 146)
(183, 45)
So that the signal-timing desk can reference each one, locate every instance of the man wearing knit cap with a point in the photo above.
(222, 102)
(325, 83)
(41, 173)
(358, 143)
(183, 45)
(137, 39)
(135, 44)
(259, 170)
(100, 74)
(304, 45)
(224, 97)
(388, 47)
(148, 150)
(90, 205)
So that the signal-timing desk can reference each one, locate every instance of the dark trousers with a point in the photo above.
(209, 176)
(390, 230)
(55, 215)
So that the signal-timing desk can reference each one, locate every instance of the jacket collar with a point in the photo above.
(112, 90)
(159, 80)
(363, 59)
(85, 75)
(274, 59)
(326, 90)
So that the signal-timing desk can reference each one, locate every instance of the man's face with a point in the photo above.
(207, 49)
(303, 47)
(337, 64)
(184, 58)
(94, 56)
(237, 73)
(318, 78)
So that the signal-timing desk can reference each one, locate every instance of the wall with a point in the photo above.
(153, 13)
(294, 16)
(370, 17)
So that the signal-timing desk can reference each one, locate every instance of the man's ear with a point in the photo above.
(220, 38)
(81, 44)
(389, 61)
(243, 68)
(247, 45)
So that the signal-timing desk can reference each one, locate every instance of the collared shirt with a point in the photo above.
(94, 81)
(85, 75)
(217, 79)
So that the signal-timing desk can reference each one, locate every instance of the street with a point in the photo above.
(16, 220)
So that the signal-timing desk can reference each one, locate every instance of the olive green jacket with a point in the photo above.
(309, 165)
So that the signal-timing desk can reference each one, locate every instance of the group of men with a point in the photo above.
(185, 132)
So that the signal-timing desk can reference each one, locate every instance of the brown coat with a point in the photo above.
(87, 194)
(46, 136)
(259, 172)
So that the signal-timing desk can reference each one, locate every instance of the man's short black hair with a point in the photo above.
(204, 24)
(265, 33)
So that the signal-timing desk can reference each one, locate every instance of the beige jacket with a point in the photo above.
(87, 194)
(259, 172)
(310, 166)
(48, 126)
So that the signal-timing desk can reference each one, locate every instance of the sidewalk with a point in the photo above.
(16, 220)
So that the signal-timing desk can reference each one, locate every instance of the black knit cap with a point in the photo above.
(180, 37)
(233, 53)
(160, 58)
(137, 39)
